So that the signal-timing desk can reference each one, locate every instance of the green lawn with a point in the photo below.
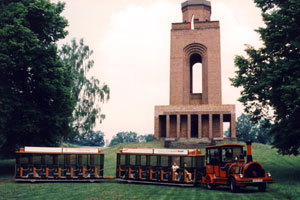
(285, 170)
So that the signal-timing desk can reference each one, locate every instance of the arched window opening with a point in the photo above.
(196, 73)
(197, 78)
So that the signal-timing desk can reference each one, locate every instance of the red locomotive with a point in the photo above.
(225, 165)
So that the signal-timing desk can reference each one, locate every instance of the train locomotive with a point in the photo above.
(221, 165)
(225, 165)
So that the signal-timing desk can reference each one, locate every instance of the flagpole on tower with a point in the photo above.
(192, 27)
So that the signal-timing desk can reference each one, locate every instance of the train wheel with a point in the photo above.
(233, 186)
(209, 185)
(262, 187)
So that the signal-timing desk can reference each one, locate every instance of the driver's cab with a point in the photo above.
(231, 154)
(219, 157)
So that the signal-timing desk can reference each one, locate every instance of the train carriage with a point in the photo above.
(155, 166)
(59, 164)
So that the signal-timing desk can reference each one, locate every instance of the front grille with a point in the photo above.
(254, 171)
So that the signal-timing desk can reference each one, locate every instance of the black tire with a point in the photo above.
(262, 187)
(209, 185)
(233, 187)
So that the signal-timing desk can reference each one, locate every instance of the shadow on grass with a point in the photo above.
(7, 167)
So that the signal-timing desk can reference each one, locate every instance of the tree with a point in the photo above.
(124, 137)
(244, 128)
(87, 92)
(146, 138)
(269, 76)
(248, 130)
(91, 139)
(35, 87)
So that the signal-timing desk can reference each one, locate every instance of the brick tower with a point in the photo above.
(190, 114)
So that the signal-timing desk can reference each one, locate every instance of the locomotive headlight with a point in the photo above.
(241, 176)
(269, 174)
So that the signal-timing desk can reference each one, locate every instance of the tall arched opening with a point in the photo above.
(196, 74)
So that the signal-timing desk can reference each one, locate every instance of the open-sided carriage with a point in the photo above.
(155, 166)
(59, 164)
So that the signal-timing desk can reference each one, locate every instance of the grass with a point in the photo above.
(285, 170)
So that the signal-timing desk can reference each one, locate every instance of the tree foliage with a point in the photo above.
(35, 87)
(124, 137)
(128, 137)
(87, 91)
(247, 130)
(93, 138)
(146, 138)
(270, 76)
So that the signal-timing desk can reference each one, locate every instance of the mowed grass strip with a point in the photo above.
(285, 170)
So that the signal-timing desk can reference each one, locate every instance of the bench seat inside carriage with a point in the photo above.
(155, 165)
(56, 164)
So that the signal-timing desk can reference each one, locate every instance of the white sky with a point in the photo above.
(131, 44)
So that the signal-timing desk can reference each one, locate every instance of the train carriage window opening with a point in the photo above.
(87, 161)
(92, 160)
(148, 160)
(24, 161)
(176, 159)
(43, 159)
(199, 162)
(49, 160)
(127, 160)
(188, 161)
(213, 156)
(67, 160)
(80, 162)
(122, 159)
(73, 160)
(30, 159)
(159, 161)
(18, 159)
(37, 160)
(101, 162)
(138, 160)
(143, 160)
(153, 160)
(61, 161)
(55, 160)
(132, 159)
(164, 161)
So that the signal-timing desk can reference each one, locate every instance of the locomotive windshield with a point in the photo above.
(229, 154)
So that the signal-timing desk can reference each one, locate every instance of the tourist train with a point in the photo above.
(221, 165)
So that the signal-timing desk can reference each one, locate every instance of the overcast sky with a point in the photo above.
(131, 44)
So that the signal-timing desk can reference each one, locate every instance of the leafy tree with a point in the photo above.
(269, 76)
(87, 92)
(35, 87)
(146, 138)
(248, 130)
(244, 128)
(124, 137)
(91, 139)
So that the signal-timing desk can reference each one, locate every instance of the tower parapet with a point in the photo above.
(200, 8)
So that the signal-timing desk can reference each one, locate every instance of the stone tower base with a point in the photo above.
(204, 122)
